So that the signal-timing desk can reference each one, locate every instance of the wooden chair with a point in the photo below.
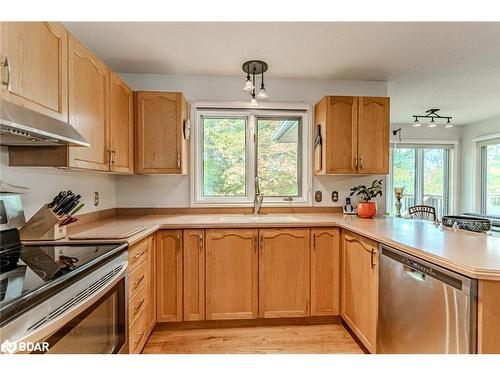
(422, 212)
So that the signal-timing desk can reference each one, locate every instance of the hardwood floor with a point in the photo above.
(304, 339)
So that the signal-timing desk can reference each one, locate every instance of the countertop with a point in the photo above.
(475, 255)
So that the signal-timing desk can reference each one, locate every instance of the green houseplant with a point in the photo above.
(367, 209)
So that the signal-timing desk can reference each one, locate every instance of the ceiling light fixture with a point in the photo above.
(433, 115)
(253, 68)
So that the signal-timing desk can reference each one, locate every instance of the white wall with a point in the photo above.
(173, 191)
(469, 177)
(45, 183)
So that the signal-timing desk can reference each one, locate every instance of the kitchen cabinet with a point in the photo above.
(194, 274)
(34, 62)
(355, 135)
(141, 288)
(231, 274)
(325, 271)
(161, 145)
(121, 126)
(169, 276)
(359, 294)
(88, 107)
(284, 272)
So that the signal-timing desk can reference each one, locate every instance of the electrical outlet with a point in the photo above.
(335, 196)
(96, 198)
(318, 196)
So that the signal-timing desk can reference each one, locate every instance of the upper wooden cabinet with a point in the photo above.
(325, 271)
(121, 126)
(161, 146)
(194, 274)
(169, 276)
(88, 107)
(359, 294)
(231, 274)
(284, 273)
(34, 60)
(355, 135)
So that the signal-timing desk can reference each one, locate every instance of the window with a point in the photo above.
(423, 172)
(235, 147)
(490, 178)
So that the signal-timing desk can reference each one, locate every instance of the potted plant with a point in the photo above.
(367, 209)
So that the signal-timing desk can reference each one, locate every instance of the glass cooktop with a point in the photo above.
(27, 271)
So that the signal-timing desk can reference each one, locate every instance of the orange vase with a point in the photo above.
(366, 210)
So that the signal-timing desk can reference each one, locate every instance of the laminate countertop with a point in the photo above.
(475, 255)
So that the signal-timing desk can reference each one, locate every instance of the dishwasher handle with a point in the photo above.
(420, 276)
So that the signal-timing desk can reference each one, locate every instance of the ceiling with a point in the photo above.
(448, 65)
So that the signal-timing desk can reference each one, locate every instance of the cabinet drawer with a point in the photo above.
(137, 303)
(137, 334)
(137, 279)
(137, 254)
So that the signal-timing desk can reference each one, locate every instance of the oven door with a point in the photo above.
(100, 329)
(88, 317)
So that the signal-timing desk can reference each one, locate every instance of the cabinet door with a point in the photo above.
(194, 274)
(159, 132)
(373, 135)
(88, 106)
(232, 274)
(284, 273)
(34, 56)
(121, 126)
(325, 271)
(152, 283)
(340, 134)
(359, 296)
(169, 276)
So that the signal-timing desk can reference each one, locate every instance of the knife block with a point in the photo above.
(55, 233)
(40, 224)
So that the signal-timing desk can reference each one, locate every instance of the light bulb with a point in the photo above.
(262, 94)
(253, 102)
(448, 125)
(417, 124)
(432, 125)
(248, 85)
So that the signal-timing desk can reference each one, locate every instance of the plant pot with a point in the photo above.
(367, 210)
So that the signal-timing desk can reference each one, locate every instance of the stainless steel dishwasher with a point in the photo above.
(424, 308)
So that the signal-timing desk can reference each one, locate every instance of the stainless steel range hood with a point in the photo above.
(20, 126)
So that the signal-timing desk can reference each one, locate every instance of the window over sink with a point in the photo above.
(233, 147)
(490, 177)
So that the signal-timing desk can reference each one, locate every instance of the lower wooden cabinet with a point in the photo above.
(231, 274)
(325, 271)
(141, 299)
(284, 273)
(169, 276)
(194, 274)
(359, 295)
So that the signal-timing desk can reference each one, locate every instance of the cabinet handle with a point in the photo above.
(201, 241)
(178, 161)
(261, 243)
(372, 259)
(113, 157)
(138, 306)
(138, 255)
(314, 242)
(139, 336)
(355, 162)
(139, 280)
(5, 64)
(255, 241)
(361, 162)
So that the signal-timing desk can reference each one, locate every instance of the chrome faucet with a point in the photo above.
(258, 198)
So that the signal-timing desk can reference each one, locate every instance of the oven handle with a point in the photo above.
(47, 329)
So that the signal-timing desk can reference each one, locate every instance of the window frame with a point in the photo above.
(251, 114)
(483, 172)
(450, 171)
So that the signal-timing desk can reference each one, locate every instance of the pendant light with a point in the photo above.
(433, 115)
(253, 68)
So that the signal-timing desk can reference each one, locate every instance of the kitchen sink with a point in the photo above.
(258, 219)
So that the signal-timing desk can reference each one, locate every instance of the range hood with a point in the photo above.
(20, 126)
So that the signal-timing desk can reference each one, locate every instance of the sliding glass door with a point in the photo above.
(423, 172)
